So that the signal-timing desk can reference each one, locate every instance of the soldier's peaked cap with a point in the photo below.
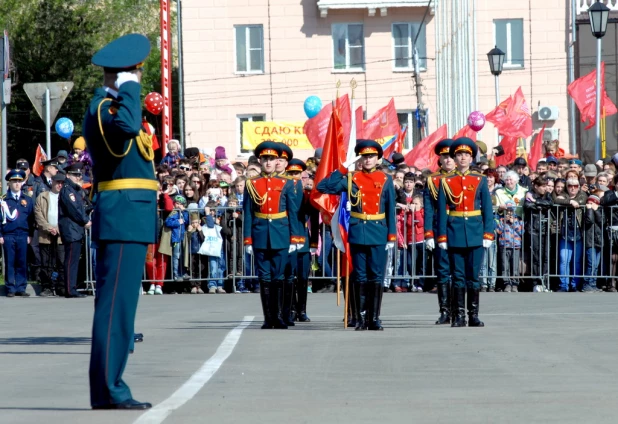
(267, 148)
(15, 175)
(464, 144)
(75, 168)
(368, 147)
(123, 54)
(286, 152)
(443, 147)
(296, 165)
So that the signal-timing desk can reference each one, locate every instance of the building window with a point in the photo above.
(403, 50)
(349, 47)
(249, 49)
(408, 119)
(509, 37)
(246, 118)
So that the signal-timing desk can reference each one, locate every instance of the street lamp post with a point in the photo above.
(598, 14)
(496, 61)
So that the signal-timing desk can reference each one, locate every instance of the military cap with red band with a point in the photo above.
(368, 147)
(443, 147)
(296, 165)
(267, 148)
(464, 144)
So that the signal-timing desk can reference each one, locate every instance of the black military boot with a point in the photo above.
(264, 298)
(473, 309)
(444, 300)
(376, 323)
(352, 304)
(361, 307)
(459, 312)
(287, 294)
(301, 301)
(274, 303)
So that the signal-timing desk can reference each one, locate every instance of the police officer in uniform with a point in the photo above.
(465, 227)
(17, 212)
(271, 230)
(309, 220)
(124, 221)
(372, 228)
(72, 222)
(440, 257)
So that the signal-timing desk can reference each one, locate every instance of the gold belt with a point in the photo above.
(464, 214)
(128, 183)
(367, 217)
(271, 215)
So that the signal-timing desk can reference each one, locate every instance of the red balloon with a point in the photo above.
(154, 103)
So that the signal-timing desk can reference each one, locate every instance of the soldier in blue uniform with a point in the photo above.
(309, 220)
(440, 257)
(372, 228)
(16, 228)
(72, 223)
(124, 221)
(465, 227)
(271, 230)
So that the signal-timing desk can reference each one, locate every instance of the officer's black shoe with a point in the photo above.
(279, 324)
(360, 325)
(459, 321)
(302, 317)
(376, 326)
(138, 337)
(22, 294)
(127, 404)
(10, 294)
(351, 322)
(444, 299)
(473, 309)
(445, 318)
(46, 293)
(475, 321)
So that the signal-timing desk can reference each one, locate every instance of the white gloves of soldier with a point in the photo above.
(299, 246)
(313, 250)
(292, 248)
(443, 246)
(348, 206)
(430, 243)
(351, 162)
(487, 243)
(123, 77)
(390, 245)
(249, 250)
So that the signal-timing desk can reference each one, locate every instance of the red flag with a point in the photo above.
(359, 121)
(423, 156)
(396, 145)
(151, 132)
(498, 115)
(332, 155)
(518, 122)
(383, 124)
(536, 149)
(345, 116)
(316, 127)
(509, 144)
(466, 131)
(583, 91)
(39, 157)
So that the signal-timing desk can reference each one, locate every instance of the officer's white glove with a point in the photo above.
(351, 162)
(443, 246)
(313, 250)
(249, 250)
(430, 243)
(348, 206)
(123, 77)
(292, 248)
(487, 243)
(299, 246)
(390, 245)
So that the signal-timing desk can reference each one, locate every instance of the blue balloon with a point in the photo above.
(64, 127)
(312, 106)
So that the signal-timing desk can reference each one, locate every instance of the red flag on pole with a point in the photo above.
(359, 121)
(583, 91)
(509, 144)
(518, 121)
(151, 132)
(345, 116)
(396, 145)
(316, 127)
(536, 150)
(40, 156)
(498, 115)
(466, 131)
(422, 156)
(383, 124)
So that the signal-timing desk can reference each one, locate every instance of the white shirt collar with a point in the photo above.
(111, 91)
(13, 194)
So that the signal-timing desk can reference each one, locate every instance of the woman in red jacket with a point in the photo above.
(156, 264)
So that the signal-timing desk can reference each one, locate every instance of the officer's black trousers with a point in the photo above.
(368, 262)
(52, 260)
(72, 252)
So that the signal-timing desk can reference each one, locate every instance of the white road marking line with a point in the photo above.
(523, 314)
(193, 385)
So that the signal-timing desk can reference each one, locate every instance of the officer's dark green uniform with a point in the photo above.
(372, 226)
(465, 220)
(440, 257)
(124, 221)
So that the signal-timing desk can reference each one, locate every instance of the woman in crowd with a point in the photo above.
(190, 193)
(559, 188)
(512, 192)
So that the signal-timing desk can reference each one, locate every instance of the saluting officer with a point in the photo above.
(17, 213)
(465, 227)
(309, 220)
(72, 222)
(441, 263)
(124, 221)
(271, 230)
(372, 228)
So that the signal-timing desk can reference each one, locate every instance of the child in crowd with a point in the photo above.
(222, 164)
(593, 239)
(510, 231)
(177, 221)
(216, 264)
(173, 156)
(196, 237)
(80, 154)
(233, 217)
(416, 249)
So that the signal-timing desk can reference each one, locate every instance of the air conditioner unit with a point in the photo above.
(548, 113)
(551, 134)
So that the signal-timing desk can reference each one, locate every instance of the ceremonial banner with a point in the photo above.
(536, 150)
(383, 124)
(40, 156)
(423, 156)
(583, 91)
(466, 131)
(290, 133)
(509, 144)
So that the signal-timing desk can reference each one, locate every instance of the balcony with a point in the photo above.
(582, 6)
(371, 5)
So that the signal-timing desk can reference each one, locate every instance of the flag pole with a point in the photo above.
(338, 277)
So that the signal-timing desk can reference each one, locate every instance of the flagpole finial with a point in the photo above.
(353, 86)
(338, 85)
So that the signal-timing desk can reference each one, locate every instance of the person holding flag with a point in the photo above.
(465, 227)
(372, 227)
(430, 200)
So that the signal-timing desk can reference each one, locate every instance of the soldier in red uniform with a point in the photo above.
(372, 228)
(465, 227)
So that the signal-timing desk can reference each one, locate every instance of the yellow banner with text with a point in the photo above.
(290, 133)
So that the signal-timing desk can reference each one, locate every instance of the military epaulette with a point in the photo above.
(287, 177)
(477, 174)
(435, 174)
(255, 177)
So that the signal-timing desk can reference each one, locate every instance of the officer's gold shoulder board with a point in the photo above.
(255, 177)
(477, 174)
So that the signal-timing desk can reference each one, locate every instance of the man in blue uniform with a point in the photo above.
(465, 227)
(440, 257)
(372, 228)
(124, 220)
(72, 223)
(17, 225)
(271, 231)
(309, 220)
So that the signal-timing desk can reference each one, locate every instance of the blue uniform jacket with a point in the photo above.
(277, 195)
(71, 212)
(372, 193)
(23, 223)
(128, 214)
(470, 217)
